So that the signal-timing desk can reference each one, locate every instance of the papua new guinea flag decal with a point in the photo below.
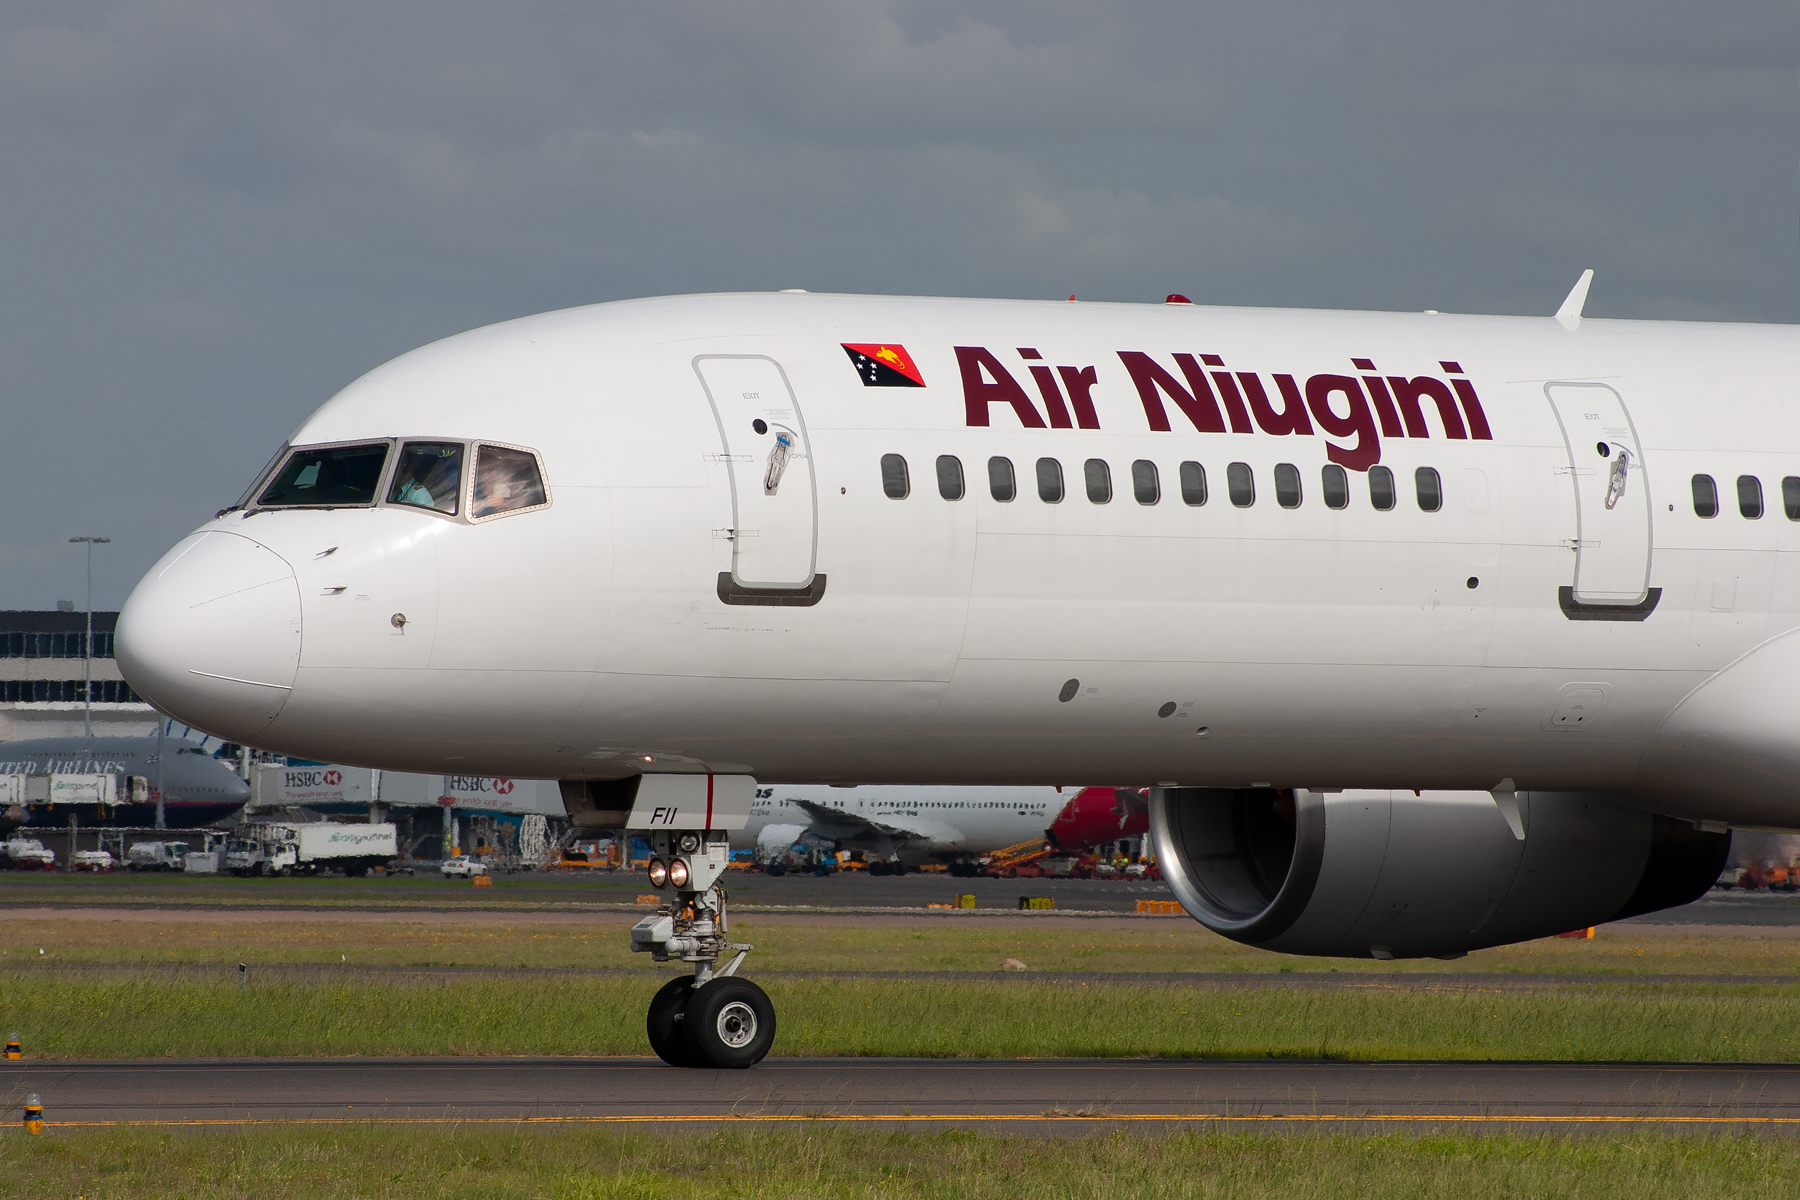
(884, 364)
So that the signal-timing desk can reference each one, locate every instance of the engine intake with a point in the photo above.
(1410, 875)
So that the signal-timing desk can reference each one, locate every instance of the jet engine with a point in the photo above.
(1414, 875)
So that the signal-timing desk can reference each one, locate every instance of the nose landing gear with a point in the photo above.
(711, 1018)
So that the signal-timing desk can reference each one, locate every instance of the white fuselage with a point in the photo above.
(667, 610)
(914, 822)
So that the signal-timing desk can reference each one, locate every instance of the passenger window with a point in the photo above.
(1001, 484)
(1706, 496)
(1193, 484)
(506, 480)
(429, 476)
(1050, 481)
(1287, 485)
(1146, 488)
(1099, 480)
(328, 477)
(1749, 497)
(1430, 490)
(894, 480)
(1335, 486)
(1790, 497)
(1240, 485)
(1381, 488)
(950, 477)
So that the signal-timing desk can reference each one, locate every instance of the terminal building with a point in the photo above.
(45, 693)
(435, 815)
(43, 685)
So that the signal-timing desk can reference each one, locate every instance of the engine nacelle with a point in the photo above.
(1409, 875)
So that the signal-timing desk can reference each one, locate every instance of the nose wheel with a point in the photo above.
(726, 1023)
(710, 1018)
(665, 1024)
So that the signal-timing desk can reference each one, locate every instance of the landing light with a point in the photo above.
(678, 873)
(659, 872)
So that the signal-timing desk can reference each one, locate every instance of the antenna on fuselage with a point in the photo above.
(1569, 315)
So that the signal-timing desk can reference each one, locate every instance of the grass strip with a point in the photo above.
(129, 1016)
(924, 946)
(589, 1164)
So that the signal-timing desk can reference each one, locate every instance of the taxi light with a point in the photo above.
(678, 873)
(659, 872)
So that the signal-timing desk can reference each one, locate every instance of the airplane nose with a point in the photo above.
(212, 635)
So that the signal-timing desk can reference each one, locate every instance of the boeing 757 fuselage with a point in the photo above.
(1427, 631)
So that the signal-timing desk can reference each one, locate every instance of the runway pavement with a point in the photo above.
(1068, 1095)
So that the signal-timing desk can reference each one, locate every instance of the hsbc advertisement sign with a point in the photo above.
(501, 795)
(312, 786)
(329, 785)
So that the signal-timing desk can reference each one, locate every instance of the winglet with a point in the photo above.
(1570, 312)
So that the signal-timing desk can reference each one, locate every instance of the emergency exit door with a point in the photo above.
(774, 530)
(1612, 494)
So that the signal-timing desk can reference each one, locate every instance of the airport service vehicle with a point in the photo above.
(807, 857)
(28, 854)
(572, 858)
(91, 860)
(13, 813)
(1763, 860)
(157, 856)
(204, 862)
(1426, 632)
(197, 787)
(897, 827)
(308, 849)
(462, 867)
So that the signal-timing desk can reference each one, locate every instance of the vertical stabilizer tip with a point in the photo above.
(1570, 313)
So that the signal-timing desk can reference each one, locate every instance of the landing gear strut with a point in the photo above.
(711, 1018)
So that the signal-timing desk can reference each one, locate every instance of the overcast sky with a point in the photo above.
(219, 212)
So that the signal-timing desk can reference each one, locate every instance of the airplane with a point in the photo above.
(198, 788)
(1427, 632)
(901, 826)
(1098, 815)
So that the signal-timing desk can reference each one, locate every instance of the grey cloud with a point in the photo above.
(219, 213)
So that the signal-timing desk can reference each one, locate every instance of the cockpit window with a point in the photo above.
(327, 477)
(429, 476)
(250, 492)
(506, 480)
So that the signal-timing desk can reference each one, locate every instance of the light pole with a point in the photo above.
(87, 643)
